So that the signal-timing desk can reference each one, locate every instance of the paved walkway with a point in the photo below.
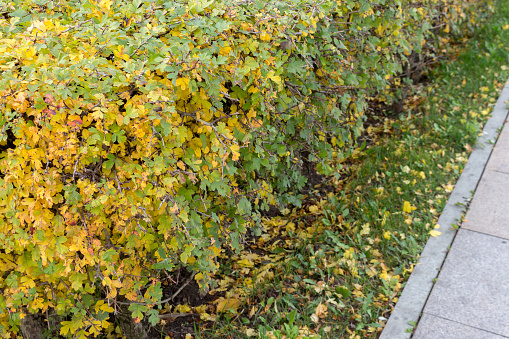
(470, 299)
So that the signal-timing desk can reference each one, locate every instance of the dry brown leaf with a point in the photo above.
(321, 310)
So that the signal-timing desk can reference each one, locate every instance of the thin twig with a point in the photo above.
(177, 315)
(182, 287)
(164, 300)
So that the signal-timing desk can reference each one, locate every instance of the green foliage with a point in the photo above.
(140, 136)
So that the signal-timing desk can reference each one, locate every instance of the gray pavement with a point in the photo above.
(470, 298)
(460, 287)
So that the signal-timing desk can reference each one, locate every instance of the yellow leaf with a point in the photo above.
(265, 36)
(201, 309)
(253, 89)
(407, 207)
(182, 309)
(106, 308)
(116, 283)
(256, 123)
(181, 165)
(245, 263)
(119, 118)
(227, 304)
(235, 152)
(105, 5)
(98, 113)
(183, 216)
(371, 272)
(448, 188)
(208, 317)
(435, 233)
(30, 53)
(253, 311)
(215, 250)
(131, 295)
(290, 227)
(28, 281)
(250, 332)
(197, 152)
(182, 83)
(65, 327)
(365, 229)
(274, 77)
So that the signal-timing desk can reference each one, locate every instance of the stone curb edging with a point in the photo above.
(418, 287)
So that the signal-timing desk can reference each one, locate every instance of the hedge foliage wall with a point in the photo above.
(140, 136)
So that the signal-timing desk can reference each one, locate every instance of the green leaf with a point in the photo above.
(138, 310)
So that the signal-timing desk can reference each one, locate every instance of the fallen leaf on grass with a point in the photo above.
(407, 207)
(182, 309)
(365, 229)
(245, 263)
(448, 188)
(227, 304)
(208, 317)
(250, 332)
(435, 233)
(321, 310)
(253, 311)
(319, 287)
(201, 309)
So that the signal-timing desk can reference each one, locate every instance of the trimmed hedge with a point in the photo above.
(137, 137)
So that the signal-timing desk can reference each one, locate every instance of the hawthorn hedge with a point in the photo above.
(141, 136)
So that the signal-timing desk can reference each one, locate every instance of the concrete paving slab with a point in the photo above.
(489, 210)
(431, 327)
(419, 285)
(499, 159)
(472, 286)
